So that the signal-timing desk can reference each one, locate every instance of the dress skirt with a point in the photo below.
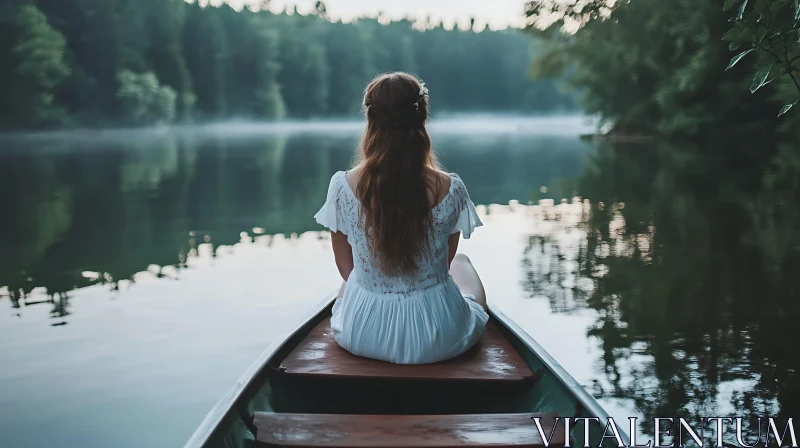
(424, 326)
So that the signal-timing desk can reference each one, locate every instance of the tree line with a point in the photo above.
(678, 68)
(142, 62)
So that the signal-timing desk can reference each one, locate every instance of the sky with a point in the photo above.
(494, 13)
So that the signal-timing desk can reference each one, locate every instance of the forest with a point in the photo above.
(679, 68)
(99, 63)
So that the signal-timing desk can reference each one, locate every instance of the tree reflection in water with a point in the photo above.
(691, 264)
(116, 208)
(119, 203)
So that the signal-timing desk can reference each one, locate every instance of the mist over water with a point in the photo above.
(488, 123)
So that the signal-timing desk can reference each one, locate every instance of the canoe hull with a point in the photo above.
(263, 388)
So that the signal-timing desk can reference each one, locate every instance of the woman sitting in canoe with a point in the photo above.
(395, 220)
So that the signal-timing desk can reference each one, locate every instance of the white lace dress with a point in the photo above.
(410, 319)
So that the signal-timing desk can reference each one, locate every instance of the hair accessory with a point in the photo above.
(423, 92)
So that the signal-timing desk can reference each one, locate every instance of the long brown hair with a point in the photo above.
(393, 185)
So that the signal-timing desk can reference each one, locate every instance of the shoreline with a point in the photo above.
(564, 124)
(617, 138)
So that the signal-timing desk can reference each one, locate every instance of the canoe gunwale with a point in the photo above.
(266, 360)
(226, 403)
(589, 403)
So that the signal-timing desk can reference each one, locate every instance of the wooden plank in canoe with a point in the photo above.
(413, 431)
(492, 359)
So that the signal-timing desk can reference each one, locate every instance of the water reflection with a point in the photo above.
(692, 271)
(121, 202)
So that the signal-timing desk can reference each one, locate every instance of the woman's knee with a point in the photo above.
(461, 258)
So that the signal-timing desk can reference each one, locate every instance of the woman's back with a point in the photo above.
(453, 212)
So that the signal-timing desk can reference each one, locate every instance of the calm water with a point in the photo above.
(142, 272)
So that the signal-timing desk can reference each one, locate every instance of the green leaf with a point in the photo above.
(760, 79)
(796, 10)
(762, 31)
(729, 4)
(733, 46)
(786, 108)
(741, 10)
(735, 60)
(733, 34)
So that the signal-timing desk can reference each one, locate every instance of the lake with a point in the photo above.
(143, 271)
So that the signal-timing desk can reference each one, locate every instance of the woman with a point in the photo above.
(395, 221)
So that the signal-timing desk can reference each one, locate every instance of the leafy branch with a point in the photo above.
(767, 30)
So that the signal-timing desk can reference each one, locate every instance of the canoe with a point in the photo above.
(305, 390)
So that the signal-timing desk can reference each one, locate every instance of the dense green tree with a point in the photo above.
(253, 66)
(393, 46)
(268, 102)
(134, 39)
(648, 66)
(304, 74)
(36, 66)
(771, 29)
(351, 66)
(94, 48)
(206, 48)
(165, 19)
(143, 100)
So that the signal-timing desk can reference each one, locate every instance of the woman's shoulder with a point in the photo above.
(441, 184)
(352, 176)
(458, 190)
(448, 174)
(337, 184)
(456, 184)
(441, 177)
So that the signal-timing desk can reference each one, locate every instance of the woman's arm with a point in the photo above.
(343, 254)
(452, 247)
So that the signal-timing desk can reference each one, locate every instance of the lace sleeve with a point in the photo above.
(334, 213)
(467, 215)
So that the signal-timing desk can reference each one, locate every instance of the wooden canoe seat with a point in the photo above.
(492, 359)
(465, 430)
